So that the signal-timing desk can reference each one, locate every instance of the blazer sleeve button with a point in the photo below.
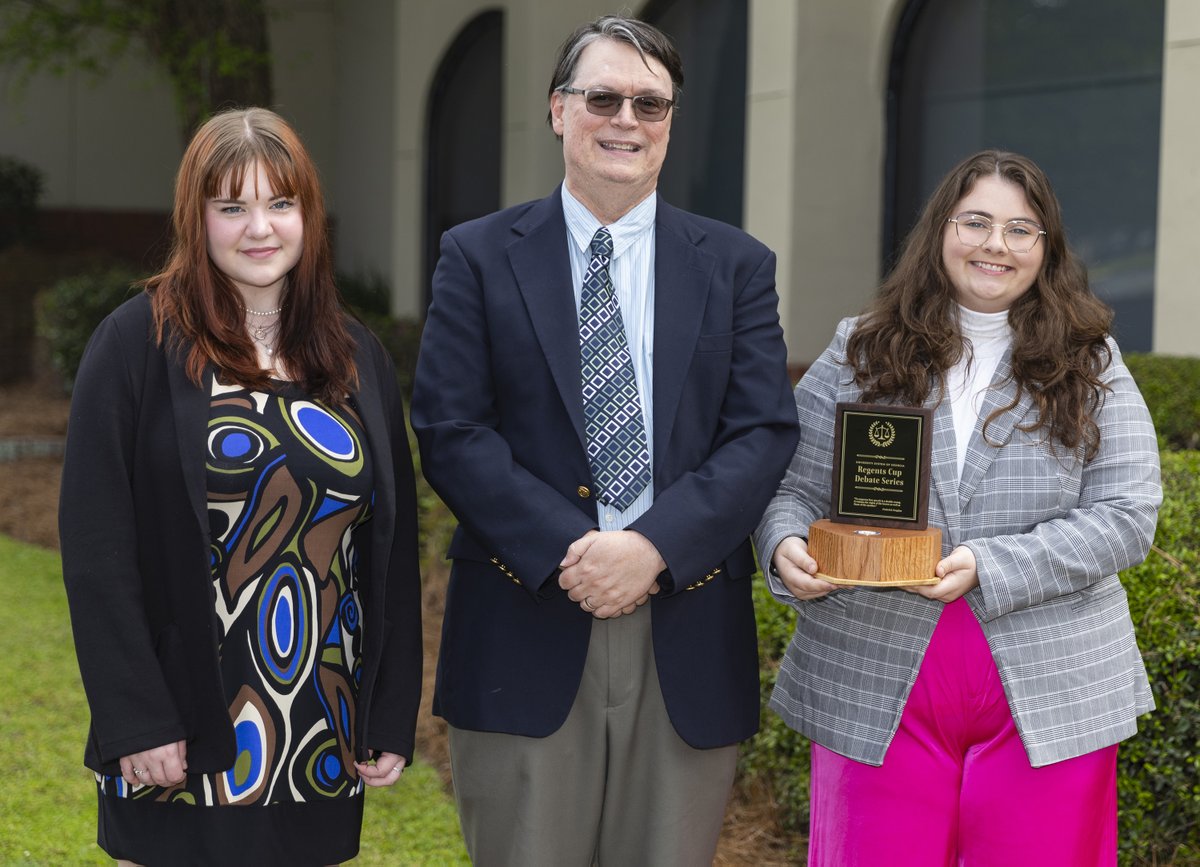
(583, 491)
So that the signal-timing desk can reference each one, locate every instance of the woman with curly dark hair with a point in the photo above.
(238, 527)
(975, 720)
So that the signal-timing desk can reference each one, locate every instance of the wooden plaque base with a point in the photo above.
(874, 557)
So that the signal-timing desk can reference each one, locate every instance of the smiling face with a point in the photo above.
(254, 237)
(989, 278)
(612, 163)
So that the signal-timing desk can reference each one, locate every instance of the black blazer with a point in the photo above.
(498, 413)
(135, 551)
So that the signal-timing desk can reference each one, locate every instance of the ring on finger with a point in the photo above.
(587, 603)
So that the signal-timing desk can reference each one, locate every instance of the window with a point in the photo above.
(1074, 84)
(704, 171)
(462, 168)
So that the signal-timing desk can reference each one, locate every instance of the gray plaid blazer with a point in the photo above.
(1049, 534)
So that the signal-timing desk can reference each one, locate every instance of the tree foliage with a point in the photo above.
(215, 52)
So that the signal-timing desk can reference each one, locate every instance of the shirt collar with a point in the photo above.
(979, 327)
(582, 224)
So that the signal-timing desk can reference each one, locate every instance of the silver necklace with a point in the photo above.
(254, 312)
(262, 332)
(268, 345)
(264, 335)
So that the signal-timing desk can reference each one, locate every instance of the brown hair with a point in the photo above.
(198, 304)
(909, 337)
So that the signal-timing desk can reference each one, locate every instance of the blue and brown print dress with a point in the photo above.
(289, 479)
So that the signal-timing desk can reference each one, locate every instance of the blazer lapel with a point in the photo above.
(982, 449)
(682, 274)
(944, 459)
(543, 272)
(190, 406)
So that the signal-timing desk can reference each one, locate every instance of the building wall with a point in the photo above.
(815, 155)
(361, 168)
(1176, 290)
(770, 196)
(532, 157)
(355, 78)
(422, 33)
(113, 143)
(815, 145)
(109, 143)
(304, 54)
(814, 189)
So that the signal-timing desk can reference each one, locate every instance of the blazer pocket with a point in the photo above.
(715, 342)
(1103, 596)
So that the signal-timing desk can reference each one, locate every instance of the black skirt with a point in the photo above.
(279, 835)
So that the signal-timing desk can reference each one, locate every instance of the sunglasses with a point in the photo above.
(605, 103)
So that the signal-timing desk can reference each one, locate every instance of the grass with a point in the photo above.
(49, 803)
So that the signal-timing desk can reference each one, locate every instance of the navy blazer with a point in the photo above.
(498, 413)
(135, 548)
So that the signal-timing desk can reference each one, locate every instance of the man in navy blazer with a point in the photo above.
(588, 726)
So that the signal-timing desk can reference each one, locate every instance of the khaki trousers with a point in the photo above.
(615, 785)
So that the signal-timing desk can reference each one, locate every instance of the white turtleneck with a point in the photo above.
(987, 336)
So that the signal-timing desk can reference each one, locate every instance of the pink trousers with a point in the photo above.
(956, 787)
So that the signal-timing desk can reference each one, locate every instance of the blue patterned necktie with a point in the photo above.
(612, 409)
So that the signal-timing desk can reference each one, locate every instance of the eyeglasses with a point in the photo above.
(1020, 236)
(605, 103)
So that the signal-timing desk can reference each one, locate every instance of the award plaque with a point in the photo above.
(878, 534)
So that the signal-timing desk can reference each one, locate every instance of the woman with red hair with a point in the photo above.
(238, 526)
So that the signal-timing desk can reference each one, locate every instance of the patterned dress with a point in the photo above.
(289, 480)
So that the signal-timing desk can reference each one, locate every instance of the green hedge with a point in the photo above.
(777, 757)
(401, 338)
(1160, 768)
(73, 307)
(20, 192)
(365, 293)
(1171, 386)
(370, 297)
(22, 273)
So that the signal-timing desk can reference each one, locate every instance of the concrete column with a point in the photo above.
(769, 200)
(840, 55)
(1175, 293)
(533, 163)
(363, 165)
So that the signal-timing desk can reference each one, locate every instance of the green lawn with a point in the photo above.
(48, 815)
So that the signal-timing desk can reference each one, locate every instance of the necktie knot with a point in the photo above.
(602, 243)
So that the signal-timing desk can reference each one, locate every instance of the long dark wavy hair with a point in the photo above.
(199, 306)
(909, 336)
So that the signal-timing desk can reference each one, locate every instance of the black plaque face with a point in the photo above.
(881, 465)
